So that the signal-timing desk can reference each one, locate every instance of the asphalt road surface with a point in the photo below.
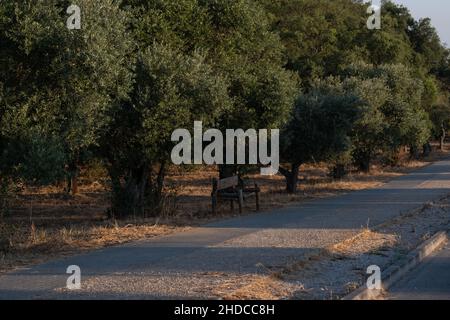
(429, 281)
(191, 263)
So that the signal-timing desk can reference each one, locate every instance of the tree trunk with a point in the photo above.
(414, 152)
(363, 164)
(362, 160)
(74, 182)
(291, 177)
(73, 172)
(129, 197)
(393, 156)
(427, 149)
(442, 140)
(4, 193)
(160, 180)
(156, 187)
(339, 171)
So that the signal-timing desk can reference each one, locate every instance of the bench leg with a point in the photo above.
(232, 206)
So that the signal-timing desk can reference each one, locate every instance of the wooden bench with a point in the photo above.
(233, 189)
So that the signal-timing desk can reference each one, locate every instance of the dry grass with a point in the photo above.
(45, 222)
(254, 287)
(32, 244)
(366, 241)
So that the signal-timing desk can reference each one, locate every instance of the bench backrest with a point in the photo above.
(226, 183)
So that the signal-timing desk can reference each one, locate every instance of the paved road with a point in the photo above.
(429, 281)
(199, 262)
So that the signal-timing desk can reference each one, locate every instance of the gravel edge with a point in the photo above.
(394, 273)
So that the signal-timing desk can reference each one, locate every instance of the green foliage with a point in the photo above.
(368, 135)
(408, 122)
(394, 117)
(426, 43)
(237, 43)
(440, 117)
(390, 44)
(43, 160)
(320, 127)
(137, 70)
(172, 90)
(214, 61)
(59, 82)
(320, 36)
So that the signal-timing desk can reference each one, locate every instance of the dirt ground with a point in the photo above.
(45, 223)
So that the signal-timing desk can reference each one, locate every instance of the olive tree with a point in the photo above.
(58, 84)
(171, 91)
(319, 129)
